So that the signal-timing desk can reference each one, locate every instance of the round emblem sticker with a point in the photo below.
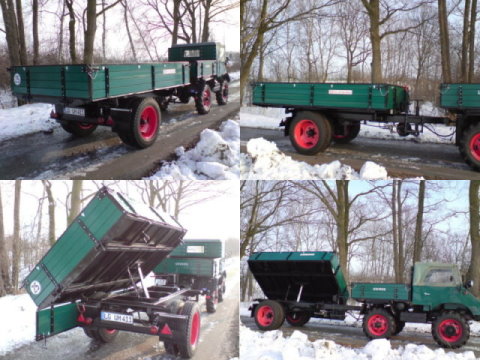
(17, 79)
(35, 287)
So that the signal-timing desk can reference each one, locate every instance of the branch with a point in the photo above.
(108, 7)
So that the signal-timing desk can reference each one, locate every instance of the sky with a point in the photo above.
(217, 218)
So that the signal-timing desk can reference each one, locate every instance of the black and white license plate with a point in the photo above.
(110, 316)
(74, 111)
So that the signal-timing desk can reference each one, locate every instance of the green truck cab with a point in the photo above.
(310, 284)
(436, 295)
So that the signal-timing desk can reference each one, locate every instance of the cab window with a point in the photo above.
(441, 277)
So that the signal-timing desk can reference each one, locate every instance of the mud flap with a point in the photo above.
(55, 320)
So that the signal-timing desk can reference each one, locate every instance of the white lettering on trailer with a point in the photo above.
(17, 79)
(340, 92)
(181, 264)
(169, 71)
(307, 254)
(35, 287)
(379, 289)
(195, 249)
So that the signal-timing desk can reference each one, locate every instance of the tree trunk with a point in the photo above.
(104, 32)
(444, 41)
(89, 39)
(474, 269)
(51, 212)
(342, 224)
(35, 31)
(206, 21)
(75, 201)
(401, 251)
(471, 63)
(21, 33)
(11, 31)
(465, 43)
(71, 29)
(373, 11)
(125, 18)
(418, 244)
(176, 21)
(5, 286)
(395, 231)
(16, 247)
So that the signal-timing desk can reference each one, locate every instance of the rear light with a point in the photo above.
(154, 330)
(88, 321)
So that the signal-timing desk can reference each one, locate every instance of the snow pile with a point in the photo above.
(215, 157)
(264, 161)
(7, 100)
(261, 117)
(272, 345)
(26, 119)
(18, 322)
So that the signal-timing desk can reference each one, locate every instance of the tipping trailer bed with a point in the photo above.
(93, 277)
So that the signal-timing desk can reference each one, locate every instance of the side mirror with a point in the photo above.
(469, 284)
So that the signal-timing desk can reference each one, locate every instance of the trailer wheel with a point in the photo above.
(105, 335)
(297, 318)
(269, 315)
(343, 134)
(450, 330)
(470, 146)
(188, 344)
(170, 348)
(399, 325)
(212, 301)
(310, 132)
(203, 101)
(144, 126)
(222, 94)
(78, 128)
(378, 324)
(89, 333)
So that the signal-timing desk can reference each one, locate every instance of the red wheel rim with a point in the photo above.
(265, 315)
(475, 146)
(225, 91)
(207, 98)
(377, 325)
(450, 330)
(148, 122)
(110, 331)
(195, 329)
(306, 134)
(85, 126)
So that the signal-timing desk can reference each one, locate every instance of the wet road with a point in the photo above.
(218, 338)
(400, 158)
(354, 337)
(59, 155)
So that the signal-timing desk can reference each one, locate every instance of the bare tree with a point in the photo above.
(51, 211)
(4, 261)
(35, 31)
(444, 41)
(75, 201)
(474, 269)
(16, 247)
(16, 51)
(418, 245)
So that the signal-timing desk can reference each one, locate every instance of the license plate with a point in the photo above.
(122, 318)
(74, 111)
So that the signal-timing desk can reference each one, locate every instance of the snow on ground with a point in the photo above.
(272, 345)
(264, 161)
(18, 321)
(234, 76)
(214, 157)
(25, 119)
(7, 100)
(269, 118)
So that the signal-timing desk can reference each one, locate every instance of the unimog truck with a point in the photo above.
(302, 285)
(93, 277)
(196, 264)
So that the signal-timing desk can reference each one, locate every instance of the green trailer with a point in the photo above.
(321, 113)
(92, 277)
(198, 264)
(302, 285)
(126, 97)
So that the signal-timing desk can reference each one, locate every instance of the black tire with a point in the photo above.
(378, 324)
(450, 330)
(222, 94)
(221, 291)
(77, 128)
(170, 348)
(470, 146)
(144, 125)
(188, 344)
(399, 325)
(212, 302)
(310, 132)
(90, 333)
(269, 315)
(105, 335)
(203, 101)
(297, 319)
(343, 134)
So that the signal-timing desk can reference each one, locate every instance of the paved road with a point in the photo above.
(102, 155)
(400, 158)
(353, 336)
(218, 337)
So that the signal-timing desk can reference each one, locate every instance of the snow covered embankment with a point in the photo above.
(215, 157)
(272, 345)
(26, 119)
(264, 161)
